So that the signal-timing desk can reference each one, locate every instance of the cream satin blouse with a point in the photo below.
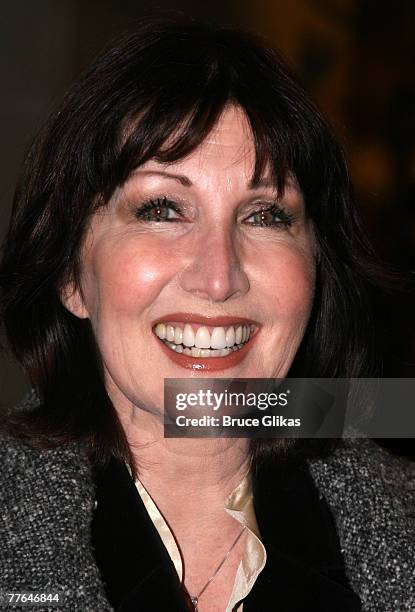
(240, 505)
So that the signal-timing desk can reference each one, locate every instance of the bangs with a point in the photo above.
(186, 95)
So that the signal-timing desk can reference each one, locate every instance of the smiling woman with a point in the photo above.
(187, 211)
(199, 237)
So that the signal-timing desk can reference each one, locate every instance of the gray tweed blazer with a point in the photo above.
(47, 503)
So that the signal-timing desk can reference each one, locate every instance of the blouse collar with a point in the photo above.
(304, 568)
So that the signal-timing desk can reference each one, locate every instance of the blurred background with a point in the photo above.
(356, 58)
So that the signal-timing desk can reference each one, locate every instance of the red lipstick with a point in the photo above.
(207, 364)
(188, 317)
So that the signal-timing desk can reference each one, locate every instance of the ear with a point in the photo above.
(73, 301)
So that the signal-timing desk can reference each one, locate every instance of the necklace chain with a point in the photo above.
(195, 600)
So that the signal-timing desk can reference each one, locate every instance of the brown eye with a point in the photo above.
(158, 210)
(271, 217)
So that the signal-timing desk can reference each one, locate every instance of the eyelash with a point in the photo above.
(143, 212)
(148, 207)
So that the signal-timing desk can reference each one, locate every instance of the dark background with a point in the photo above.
(356, 57)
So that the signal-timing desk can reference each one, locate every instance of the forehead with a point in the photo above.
(232, 131)
(227, 149)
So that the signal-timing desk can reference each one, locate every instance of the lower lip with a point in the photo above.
(209, 364)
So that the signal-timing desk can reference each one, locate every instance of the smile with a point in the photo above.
(203, 341)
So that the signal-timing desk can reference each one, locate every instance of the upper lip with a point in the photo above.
(189, 317)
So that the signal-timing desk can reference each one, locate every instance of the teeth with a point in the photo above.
(170, 333)
(202, 339)
(218, 338)
(188, 335)
(202, 343)
(203, 353)
(238, 335)
(160, 331)
(230, 337)
(178, 335)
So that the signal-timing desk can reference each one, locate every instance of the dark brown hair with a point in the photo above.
(156, 93)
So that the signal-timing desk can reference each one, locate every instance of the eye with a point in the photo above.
(271, 216)
(158, 209)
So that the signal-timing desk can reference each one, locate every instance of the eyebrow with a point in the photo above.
(186, 182)
(180, 178)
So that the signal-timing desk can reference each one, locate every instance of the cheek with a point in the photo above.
(289, 281)
(298, 287)
(125, 276)
(289, 278)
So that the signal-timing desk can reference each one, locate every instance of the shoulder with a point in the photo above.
(25, 466)
(371, 494)
(29, 473)
(359, 465)
(43, 483)
(46, 507)
(19, 457)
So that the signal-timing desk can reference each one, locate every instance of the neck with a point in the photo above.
(194, 475)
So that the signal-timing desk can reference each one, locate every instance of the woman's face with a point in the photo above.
(183, 254)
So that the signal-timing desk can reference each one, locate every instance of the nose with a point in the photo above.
(215, 271)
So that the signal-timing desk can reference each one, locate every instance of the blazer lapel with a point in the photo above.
(135, 566)
(305, 569)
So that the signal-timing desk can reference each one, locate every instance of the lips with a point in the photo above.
(187, 317)
(205, 343)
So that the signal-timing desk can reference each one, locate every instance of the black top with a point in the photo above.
(304, 571)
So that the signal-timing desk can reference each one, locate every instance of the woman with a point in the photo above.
(188, 197)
